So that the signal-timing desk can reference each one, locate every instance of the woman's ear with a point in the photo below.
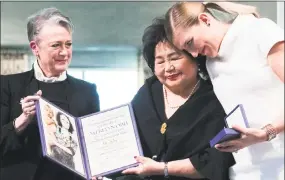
(34, 48)
(204, 18)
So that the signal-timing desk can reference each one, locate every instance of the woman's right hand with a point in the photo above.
(28, 111)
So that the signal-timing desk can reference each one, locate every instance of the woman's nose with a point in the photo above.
(63, 52)
(194, 53)
(169, 66)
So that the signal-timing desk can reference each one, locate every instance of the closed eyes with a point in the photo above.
(190, 43)
(175, 58)
(160, 62)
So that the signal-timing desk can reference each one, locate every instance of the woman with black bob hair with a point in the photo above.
(177, 115)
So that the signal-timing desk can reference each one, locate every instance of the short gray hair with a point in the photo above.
(47, 15)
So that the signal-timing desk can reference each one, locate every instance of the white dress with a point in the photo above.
(241, 75)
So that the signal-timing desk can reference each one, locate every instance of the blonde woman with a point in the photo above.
(245, 61)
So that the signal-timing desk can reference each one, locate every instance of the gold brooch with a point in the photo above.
(163, 128)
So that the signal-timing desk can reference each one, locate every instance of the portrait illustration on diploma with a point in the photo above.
(60, 136)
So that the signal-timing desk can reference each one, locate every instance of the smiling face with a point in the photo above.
(202, 38)
(53, 48)
(196, 40)
(173, 68)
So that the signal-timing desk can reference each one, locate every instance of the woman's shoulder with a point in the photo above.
(261, 26)
(264, 22)
(16, 76)
(207, 97)
(81, 85)
(206, 89)
(9, 80)
(144, 90)
(149, 82)
(78, 82)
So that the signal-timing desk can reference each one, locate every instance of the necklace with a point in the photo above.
(175, 107)
(164, 125)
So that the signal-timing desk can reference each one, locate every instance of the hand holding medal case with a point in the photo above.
(236, 117)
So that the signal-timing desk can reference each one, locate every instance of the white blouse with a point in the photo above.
(242, 75)
(39, 75)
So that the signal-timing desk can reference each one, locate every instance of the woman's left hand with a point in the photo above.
(147, 167)
(249, 136)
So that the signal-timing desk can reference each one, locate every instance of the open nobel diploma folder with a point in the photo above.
(98, 144)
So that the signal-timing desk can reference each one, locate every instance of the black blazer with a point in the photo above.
(21, 154)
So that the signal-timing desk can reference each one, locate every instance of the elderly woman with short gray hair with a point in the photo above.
(50, 39)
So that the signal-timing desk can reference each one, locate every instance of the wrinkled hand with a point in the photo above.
(29, 110)
(147, 167)
(249, 136)
(29, 104)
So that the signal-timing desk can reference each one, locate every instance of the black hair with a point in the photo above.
(60, 124)
(153, 34)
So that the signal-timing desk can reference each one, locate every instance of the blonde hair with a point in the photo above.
(185, 14)
(235, 8)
